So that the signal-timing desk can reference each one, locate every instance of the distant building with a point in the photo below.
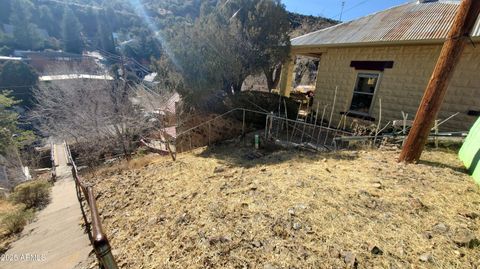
(42, 60)
(7, 58)
(74, 77)
(390, 55)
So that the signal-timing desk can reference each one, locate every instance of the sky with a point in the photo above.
(332, 8)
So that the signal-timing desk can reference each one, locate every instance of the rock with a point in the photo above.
(377, 185)
(291, 211)
(257, 244)
(269, 266)
(300, 184)
(219, 240)
(441, 228)
(349, 258)
(467, 239)
(459, 254)
(426, 257)
(152, 221)
(334, 252)
(428, 235)
(297, 226)
(470, 215)
(301, 206)
(149, 245)
(219, 169)
(376, 251)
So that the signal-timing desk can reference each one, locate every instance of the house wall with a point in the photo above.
(401, 88)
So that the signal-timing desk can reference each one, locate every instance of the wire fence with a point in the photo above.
(278, 128)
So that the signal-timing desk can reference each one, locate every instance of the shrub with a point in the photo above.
(34, 194)
(14, 222)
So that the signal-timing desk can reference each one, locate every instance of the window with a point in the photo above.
(364, 92)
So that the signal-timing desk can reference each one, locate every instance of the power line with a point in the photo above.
(350, 8)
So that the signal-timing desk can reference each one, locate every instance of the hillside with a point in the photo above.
(45, 22)
(303, 24)
(219, 208)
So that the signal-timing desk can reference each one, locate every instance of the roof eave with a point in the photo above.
(378, 43)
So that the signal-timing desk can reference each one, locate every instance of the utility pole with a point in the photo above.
(450, 55)
(341, 12)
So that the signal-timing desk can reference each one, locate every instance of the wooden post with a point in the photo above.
(286, 79)
(209, 131)
(243, 128)
(190, 137)
(450, 55)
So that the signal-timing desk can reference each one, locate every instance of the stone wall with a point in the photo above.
(401, 88)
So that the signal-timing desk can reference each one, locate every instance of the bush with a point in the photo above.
(34, 194)
(14, 222)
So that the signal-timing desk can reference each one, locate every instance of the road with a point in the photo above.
(56, 239)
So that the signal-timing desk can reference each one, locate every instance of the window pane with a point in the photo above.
(366, 83)
(361, 102)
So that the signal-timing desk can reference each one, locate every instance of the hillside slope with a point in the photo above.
(229, 208)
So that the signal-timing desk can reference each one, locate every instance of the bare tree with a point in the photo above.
(99, 114)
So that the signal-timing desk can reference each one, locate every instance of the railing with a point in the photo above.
(269, 117)
(52, 159)
(97, 236)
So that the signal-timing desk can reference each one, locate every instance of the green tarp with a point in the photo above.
(470, 152)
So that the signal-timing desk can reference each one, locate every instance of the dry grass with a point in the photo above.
(291, 210)
(6, 208)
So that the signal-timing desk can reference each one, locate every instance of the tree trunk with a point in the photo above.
(237, 86)
(273, 76)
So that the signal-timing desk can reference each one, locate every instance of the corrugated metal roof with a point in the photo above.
(409, 22)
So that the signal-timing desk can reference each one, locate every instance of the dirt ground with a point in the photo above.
(232, 207)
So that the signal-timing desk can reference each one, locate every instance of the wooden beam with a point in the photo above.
(450, 55)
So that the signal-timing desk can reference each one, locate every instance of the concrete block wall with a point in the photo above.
(401, 88)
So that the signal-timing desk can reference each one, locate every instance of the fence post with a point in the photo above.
(209, 130)
(243, 128)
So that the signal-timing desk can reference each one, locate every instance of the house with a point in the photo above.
(389, 56)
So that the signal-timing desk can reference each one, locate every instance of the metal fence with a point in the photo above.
(278, 127)
(97, 236)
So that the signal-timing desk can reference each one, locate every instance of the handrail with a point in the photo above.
(52, 159)
(98, 237)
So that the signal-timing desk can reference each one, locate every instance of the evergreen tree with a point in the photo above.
(228, 43)
(4, 11)
(45, 20)
(25, 34)
(10, 134)
(105, 35)
(71, 32)
(20, 79)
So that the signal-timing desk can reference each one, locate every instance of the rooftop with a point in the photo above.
(408, 23)
(75, 76)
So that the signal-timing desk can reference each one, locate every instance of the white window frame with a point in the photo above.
(374, 95)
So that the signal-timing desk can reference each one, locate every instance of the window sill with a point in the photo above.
(358, 115)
